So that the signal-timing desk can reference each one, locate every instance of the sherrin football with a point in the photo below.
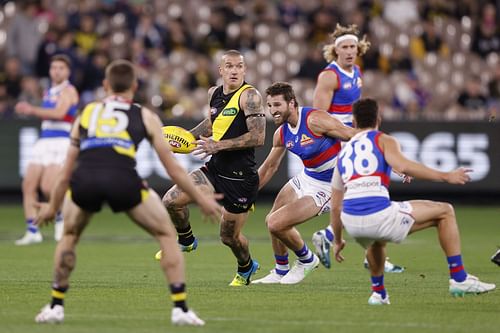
(180, 140)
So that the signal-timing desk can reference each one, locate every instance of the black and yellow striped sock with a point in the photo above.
(179, 295)
(58, 296)
(185, 235)
(245, 267)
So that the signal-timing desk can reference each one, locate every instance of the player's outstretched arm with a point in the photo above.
(68, 97)
(323, 124)
(272, 161)
(393, 155)
(207, 204)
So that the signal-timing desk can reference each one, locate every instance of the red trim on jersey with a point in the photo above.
(340, 108)
(68, 118)
(324, 156)
(384, 178)
(377, 137)
(282, 136)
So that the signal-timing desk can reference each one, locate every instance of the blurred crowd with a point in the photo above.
(432, 59)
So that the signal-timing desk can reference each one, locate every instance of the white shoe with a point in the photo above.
(322, 247)
(58, 230)
(181, 318)
(272, 277)
(30, 238)
(471, 285)
(299, 271)
(376, 299)
(50, 315)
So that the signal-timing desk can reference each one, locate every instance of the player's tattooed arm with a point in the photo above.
(202, 129)
(205, 127)
(256, 123)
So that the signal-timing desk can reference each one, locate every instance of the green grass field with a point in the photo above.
(118, 287)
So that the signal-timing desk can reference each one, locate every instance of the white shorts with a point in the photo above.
(391, 224)
(48, 151)
(321, 192)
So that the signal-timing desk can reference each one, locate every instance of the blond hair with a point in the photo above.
(329, 50)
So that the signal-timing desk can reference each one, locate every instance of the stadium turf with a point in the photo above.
(118, 286)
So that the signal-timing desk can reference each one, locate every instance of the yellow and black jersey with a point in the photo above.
(110, 133)
(229, 121)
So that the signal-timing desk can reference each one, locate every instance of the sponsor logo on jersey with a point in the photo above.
(305, 140)
(213, 111)
(289, 144)
(229, 112)
(347, 86)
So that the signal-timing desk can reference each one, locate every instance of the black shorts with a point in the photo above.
(122, 189)
(239, 193)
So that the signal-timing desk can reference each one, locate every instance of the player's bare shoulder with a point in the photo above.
(251, 102)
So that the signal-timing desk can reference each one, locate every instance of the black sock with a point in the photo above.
(58, 296)
(179, 295)
(245, 267)
(185, 235)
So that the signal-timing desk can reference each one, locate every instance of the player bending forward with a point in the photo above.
(361, 203)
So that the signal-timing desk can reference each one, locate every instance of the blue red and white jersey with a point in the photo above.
(348, 91)
(52, 128)
(318, 153)
(365, 174)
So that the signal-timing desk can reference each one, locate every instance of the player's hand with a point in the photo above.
(337, 249)
(459, 176)
(406, 179)
(23, 108)
(205, 147)
(45, 214)
(210, 209)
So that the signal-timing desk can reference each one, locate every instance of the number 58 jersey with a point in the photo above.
(365, 174)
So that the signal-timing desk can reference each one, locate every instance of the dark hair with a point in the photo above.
(365, 113)
(62, 58)
(282, 88)
(120, 75)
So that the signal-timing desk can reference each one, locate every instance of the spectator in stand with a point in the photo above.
(85, 36)
(149, 32)
(202, 77)
(289, 13)
(428, 42)
(494, 93)
(410, 98)
(11, 77)
(245, 40)
(46, 50)
(322, 19)
(472, 103)
(486, 38)
(313, 64)
(23, 36)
